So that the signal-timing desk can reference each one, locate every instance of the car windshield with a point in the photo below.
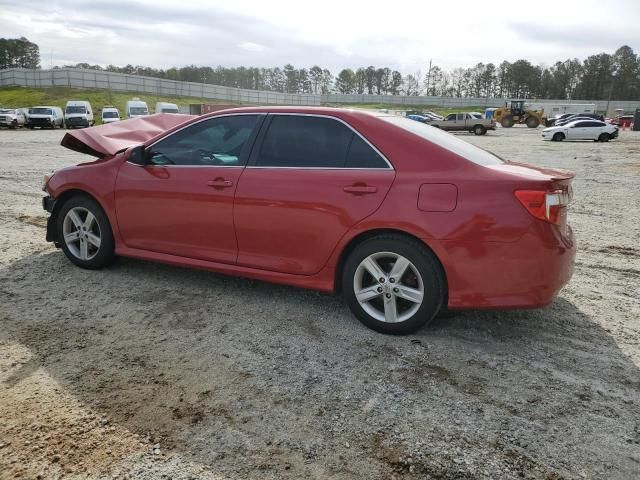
(109, 114)
(445, 140)
(40, 111)
(138, 111)
(76, 109)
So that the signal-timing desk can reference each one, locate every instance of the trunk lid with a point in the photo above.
(109, 139)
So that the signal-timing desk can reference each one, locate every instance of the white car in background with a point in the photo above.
(12, 118)
(581, 130)
(110, 114)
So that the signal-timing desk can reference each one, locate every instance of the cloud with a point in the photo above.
(333, 34)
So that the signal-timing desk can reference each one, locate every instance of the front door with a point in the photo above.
(310, 179)
(181, 201)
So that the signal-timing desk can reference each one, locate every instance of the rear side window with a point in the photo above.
(361, 155)
(315, 142)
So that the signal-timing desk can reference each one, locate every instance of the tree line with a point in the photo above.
(19, 53)
(614, 76)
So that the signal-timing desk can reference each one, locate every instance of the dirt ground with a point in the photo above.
(149, 371)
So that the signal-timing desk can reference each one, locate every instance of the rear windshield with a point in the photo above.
(40, 111)
(76, 109)
(109, 114)
(445, 140)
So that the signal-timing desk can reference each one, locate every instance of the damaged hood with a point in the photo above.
(111, 138)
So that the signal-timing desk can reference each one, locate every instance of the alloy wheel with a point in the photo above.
(81, 232)
(388, 287)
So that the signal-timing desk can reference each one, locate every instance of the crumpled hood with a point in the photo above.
(109, 139)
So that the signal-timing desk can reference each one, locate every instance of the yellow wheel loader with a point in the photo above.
(508, 116)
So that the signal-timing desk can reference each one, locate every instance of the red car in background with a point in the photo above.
(623, 121)
(402, 218)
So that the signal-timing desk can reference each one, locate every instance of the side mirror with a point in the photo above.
(137, 156)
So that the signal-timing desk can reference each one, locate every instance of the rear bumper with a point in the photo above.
(527, 273)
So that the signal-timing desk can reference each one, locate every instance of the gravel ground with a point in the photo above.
(143, 370)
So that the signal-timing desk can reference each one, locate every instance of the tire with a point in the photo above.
(557, 137)
(533, 122)
(423, 278)
(604, 137)
(507, 121)
(479, 130)
(73, 217)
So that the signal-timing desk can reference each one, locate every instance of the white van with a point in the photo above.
(110, 114)
(47, 116)
(78, 113)
(164, 107)
(137, 108)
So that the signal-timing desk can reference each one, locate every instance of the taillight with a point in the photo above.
(544, 205)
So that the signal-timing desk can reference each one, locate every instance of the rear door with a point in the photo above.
(309, 180)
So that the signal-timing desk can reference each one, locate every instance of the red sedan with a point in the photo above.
(402, 218)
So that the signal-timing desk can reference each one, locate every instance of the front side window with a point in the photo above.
(315, 142)
(213, 142)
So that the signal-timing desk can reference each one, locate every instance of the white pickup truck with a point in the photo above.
(465, 122)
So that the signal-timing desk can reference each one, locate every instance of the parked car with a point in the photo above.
(581, 130)
(164, 107)
(419, 118)
(580, 116)
(110, 114)
(137, 108)
(45, 117)
(465, 122)
(11, 118)
(400, 217)
(78, 113)
(623, 121)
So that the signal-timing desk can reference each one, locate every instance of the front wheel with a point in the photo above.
(532, 122)
(393, 284)
(85, 233)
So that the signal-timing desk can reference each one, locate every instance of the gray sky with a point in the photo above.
(334, 34)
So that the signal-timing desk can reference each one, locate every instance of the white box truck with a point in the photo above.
(78, 113)
(137, 108)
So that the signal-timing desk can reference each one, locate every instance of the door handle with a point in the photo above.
(220, 183)
(360, 189)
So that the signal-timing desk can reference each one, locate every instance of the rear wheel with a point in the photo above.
(558, 137)
(393, 284)
(604, 137)
(84, 233)
(507, 121)
(532, 122)
(479, 130)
